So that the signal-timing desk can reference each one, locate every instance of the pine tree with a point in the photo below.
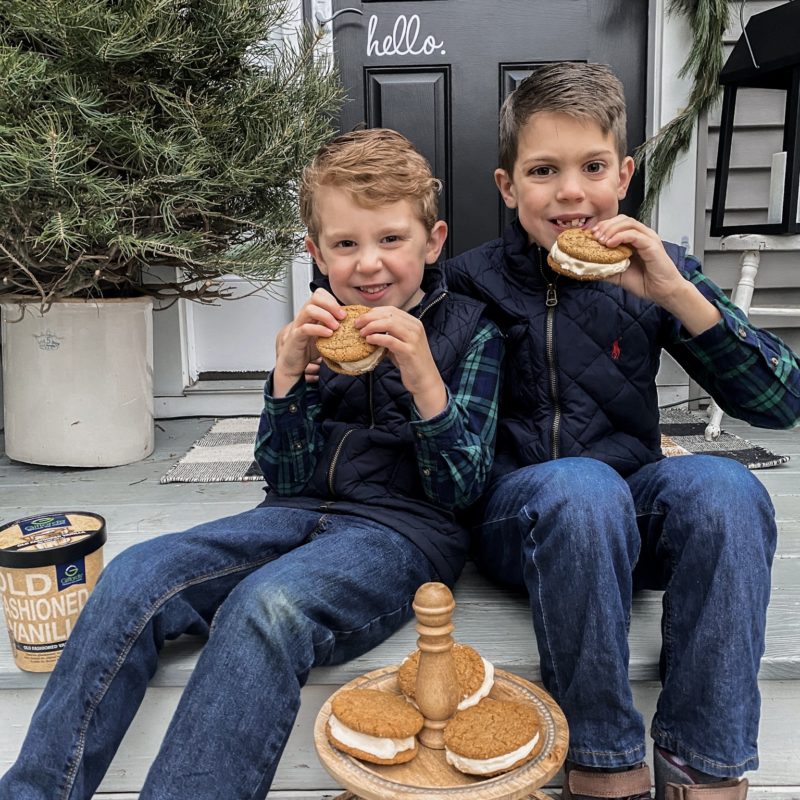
(153, 132)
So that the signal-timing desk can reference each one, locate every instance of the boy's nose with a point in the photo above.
(570, 187)
(369, 260)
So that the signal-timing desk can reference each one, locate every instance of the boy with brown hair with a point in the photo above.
(365, 474)
(583, 509)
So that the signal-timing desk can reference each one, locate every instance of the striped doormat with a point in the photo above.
(682, 434)
(225, 453)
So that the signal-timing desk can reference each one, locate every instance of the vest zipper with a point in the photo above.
(334, 460)
(371, 408)
(551, 301)
(432, 304)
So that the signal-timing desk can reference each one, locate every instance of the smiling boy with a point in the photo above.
(365, 474)
(583, 509)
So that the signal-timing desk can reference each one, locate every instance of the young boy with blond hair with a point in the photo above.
(365, 475)
(583, 509)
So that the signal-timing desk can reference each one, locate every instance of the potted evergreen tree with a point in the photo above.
(147, 148)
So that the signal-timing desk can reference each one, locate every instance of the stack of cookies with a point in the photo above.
(485, 737)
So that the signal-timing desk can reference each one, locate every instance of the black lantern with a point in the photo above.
(767, 56)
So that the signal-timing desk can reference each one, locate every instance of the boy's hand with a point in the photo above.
(404, 338)
(296, 343)
(653, 275)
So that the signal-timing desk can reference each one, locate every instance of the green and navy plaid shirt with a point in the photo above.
(750, 372)
(455, 449)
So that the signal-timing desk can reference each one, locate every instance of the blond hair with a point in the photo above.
(377, 167)
(580, 90)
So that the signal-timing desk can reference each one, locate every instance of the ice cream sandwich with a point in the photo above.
(474, 673)
(577, 254)
(374, 726)
(346, 351)
(493, 737)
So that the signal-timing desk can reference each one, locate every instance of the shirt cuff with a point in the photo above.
(439, 432)
(288, 410)
(727, 343)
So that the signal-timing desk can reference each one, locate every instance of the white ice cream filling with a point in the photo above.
(485, 766)
(475, 698)
(578, 267)
(483, 690)
(354, 367)
(378, 746)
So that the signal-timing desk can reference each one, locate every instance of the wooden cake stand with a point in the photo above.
(428, 776)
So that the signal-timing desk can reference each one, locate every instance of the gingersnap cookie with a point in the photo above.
(474, 673)
(577, 254)
(493, 737)
(346, 351)
(374, 726)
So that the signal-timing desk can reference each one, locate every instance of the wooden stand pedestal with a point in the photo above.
(429, 776)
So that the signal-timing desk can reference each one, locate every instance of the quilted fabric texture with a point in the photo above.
(580, 371)
(368, 466)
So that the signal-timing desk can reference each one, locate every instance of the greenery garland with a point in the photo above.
(708, 20)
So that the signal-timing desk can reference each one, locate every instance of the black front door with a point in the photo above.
(438, 71)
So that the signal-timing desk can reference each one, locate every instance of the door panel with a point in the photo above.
(415, 103)
(438, 71)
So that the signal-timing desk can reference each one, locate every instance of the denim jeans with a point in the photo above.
(581, 540)
(277, 591)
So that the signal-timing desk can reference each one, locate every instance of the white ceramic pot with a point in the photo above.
(78, 382)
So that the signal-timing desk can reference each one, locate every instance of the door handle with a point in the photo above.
(323, 22)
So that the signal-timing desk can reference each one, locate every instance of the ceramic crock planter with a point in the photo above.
(78, 381)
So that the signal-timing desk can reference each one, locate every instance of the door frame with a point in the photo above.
(674, 218)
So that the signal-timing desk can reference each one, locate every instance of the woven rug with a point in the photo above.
(682, 433)
(225, 453)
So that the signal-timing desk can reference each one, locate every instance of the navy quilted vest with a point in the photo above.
(581, 358)
(368, 465)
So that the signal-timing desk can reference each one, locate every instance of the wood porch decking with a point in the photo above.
(136, 506)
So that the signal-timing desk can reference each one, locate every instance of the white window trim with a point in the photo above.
(670, 39)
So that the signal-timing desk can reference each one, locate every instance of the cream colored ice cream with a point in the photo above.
(378, 746)
(485, 687)
(489, 766)
(362, 364)
(580, 268)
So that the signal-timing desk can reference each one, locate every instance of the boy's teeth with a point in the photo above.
(373, 289)
(572, 223)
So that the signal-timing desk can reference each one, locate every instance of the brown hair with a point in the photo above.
(584, 91)
(378, 167)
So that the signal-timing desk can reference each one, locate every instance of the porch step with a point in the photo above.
(496, 622)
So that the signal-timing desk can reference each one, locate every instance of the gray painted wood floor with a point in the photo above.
(136, 507)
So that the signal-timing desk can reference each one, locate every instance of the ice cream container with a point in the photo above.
(48, 567)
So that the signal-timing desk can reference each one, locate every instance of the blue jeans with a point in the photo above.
(581, 540)
(277, 591)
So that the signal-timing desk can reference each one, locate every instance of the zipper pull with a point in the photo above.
(552, 298)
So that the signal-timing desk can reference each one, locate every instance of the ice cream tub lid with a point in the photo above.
(53, 538)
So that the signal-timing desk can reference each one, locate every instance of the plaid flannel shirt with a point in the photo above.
(750, 372)
(455, 449)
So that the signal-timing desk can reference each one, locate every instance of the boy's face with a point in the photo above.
(373, 256)
(567, 173)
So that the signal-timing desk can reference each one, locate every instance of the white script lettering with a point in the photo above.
(403, 39)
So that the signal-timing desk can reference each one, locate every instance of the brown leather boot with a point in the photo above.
(735, 789)
(632, 784)
(678, 781)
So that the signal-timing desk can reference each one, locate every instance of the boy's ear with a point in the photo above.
(436, 240)
(316, 254)
(506, 187)
(626, 168)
